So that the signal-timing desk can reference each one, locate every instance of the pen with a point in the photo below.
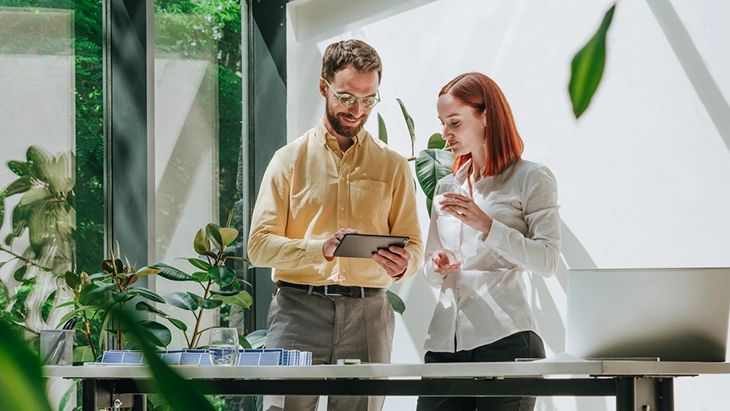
(59, 344)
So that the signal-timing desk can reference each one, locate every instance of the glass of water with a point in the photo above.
(444, 186)
(223, 346)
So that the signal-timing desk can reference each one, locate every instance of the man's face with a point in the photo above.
(348, 121)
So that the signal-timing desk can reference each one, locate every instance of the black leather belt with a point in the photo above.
(332, 290)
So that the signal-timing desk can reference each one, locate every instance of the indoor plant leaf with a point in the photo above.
(398, 305)
(211, 303)
(436, 141)
(146, 293)
(431, 166)
(222, 275)
(409, 123)
(587, 67)
(257, 339)
(182, 300)
(158, 334)
(214, 234)
(22, 386)
(198, 263)
(201, 243)
(241, 299)
(228, 236)
(382, 131)
(172, 273)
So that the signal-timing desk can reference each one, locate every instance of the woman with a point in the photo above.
(503, 224)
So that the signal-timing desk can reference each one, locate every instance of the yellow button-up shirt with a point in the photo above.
(311, 189)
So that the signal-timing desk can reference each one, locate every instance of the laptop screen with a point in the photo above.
(670, 314)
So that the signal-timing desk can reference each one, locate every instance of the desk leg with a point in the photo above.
(644, 394)
(88, 399)
(140, 402)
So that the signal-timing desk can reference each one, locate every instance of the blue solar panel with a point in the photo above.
(268, 356)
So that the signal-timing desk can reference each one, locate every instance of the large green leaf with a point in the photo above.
(214, 234)
(18, 186)
(222, 275)
(382, 131)
(22, 386)
(411, 125)
(181, 394)
(67, 395)
(398, 305)
(156, 333)
(172, 273)
(146, 293)
(145, 306)
(211, 303)
(431, 166)
(242, 299)
(182, 300)
(83, 353)
(587, 67)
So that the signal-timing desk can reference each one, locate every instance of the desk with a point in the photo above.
(637, 385)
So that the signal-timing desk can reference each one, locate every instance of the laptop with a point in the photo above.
(665, 314)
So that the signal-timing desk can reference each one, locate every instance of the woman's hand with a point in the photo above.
(464, 208)
(444, 262)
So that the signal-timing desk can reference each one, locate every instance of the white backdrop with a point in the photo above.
(642, 175)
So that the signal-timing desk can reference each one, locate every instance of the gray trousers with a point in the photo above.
(331, 328)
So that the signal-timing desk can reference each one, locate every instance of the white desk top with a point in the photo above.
(554, 366)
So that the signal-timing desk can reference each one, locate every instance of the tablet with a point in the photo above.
(365, 245)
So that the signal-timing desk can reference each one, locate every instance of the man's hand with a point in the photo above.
(329, 246)
(394, 260)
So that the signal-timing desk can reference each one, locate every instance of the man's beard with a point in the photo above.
(340, 128)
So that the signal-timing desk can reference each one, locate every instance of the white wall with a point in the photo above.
(642, 175)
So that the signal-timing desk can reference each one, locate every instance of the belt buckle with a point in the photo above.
(327, 293)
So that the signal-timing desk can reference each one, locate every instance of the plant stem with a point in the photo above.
(21, 258)
(88, 335)
(196, 335)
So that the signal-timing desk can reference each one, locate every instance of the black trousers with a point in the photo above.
(524, 344)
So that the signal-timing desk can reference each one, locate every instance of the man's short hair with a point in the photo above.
(350, 52)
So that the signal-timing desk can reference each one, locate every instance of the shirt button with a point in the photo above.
(342, 208)
(293, 264)
(344, 270)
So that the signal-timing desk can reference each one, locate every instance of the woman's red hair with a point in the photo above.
(503, 143)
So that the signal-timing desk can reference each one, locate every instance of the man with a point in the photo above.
(335, 179)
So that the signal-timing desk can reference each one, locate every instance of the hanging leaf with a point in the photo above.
(178, 324)
(145, 306)
(198, 263)
(410, 124)
(431, 166)
(156, 333)
(587, 67)
(382, 131)
(211, 303)
(146, 293)
(398, 305)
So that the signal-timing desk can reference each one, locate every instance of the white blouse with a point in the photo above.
(485, 300)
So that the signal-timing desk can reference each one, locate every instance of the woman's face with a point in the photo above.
(463, 129)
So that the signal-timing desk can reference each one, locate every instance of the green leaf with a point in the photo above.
(121, 297)
(83, 353)
(67, 395)
(19, 274)
(382, 131)
(200, 276)
(436, 141)
(72, 280)
(398, 305)
(196, 298)
(228, 235)
(587, 67)
(47, 306)
(178, 324)
(201, 243)
(213, 233)
(409, 122)
(18, 186)
(22, 386)
(156, 333)
(145, 306)
(211, 303)
(146, 293)
(431, 166)
(147, 271)
(241, 299)
(222, 275)
(257, 339)
(18, 168)
(182, 300)
(198, 263)
(181, 394)
(172, 273)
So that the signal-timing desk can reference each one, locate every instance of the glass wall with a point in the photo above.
(51, 113)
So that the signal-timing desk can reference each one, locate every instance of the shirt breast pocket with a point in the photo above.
(370, 199)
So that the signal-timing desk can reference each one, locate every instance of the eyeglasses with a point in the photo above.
(347, 99)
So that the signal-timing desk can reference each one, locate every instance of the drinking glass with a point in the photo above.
(223, 346)
(442, 187)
